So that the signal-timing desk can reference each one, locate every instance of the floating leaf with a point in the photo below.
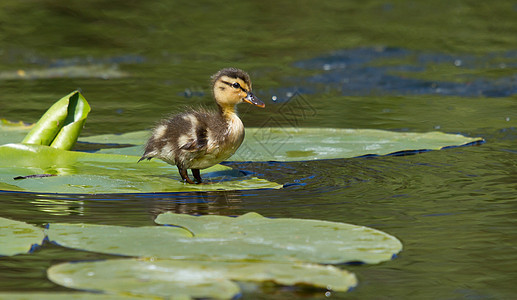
(134, 277)
(276, 239)
(13, 132)
(248, 237)
(79, 172)
(134, 138)
(146, 236)
(60, 126)
(18, 237)
(298, 144)
(78, 71)
(192, 278)
(67, 296)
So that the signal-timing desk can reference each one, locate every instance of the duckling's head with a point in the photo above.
(232, 86)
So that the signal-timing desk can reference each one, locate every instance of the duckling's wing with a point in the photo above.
(196, 140)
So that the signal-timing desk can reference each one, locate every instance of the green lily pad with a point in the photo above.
(146, 236)
(60, 126)
(299, 144)
(18, 237)
(67, 296)
(277, 239)
(13, 132)
(133, 138)
(140, 278)
(248, 237)
(79, 172)
(192, 278)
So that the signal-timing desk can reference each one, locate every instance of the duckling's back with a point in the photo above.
(195, 139)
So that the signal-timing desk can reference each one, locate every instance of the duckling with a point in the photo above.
(199, 138)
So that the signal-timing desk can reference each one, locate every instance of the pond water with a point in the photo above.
(392, 65)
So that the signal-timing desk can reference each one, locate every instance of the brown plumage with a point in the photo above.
(199, 138)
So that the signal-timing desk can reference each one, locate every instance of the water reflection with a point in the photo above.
(59, 207)
(205, 203)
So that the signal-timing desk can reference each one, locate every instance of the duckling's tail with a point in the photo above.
(142, 158)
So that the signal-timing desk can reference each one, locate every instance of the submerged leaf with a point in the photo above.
(75, 71)
(79, 172)
(192, 278)
(248, 237)
(60, 126)
(298, 144)
(18, 237)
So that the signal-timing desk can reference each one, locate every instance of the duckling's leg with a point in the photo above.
(184, 176)
(197, 176)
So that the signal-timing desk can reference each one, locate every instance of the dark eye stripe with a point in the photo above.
(236, 85)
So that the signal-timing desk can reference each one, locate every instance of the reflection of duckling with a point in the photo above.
(198, 139)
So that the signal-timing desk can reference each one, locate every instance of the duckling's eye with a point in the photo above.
(236, 85)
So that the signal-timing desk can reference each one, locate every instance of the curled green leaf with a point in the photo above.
(61, 125)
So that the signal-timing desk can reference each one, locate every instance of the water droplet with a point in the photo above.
(437, 127)
(274, 98)
(327, 67)
(328, 294)
(289, 94)
(458, 62)
(507, 119)
(188, 93)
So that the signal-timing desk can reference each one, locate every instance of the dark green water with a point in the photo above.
(396, 65)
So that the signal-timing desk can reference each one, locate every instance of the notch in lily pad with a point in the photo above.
(18, 237)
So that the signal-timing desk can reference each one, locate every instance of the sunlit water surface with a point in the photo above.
(364, 66)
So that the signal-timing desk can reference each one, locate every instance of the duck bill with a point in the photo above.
(251, 99)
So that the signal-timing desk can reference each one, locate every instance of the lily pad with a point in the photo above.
(88, 71)
(192, 278)
(60, 126)
(142, 278)
(83, 173)
(67, 296)
(18, 237)
(278, 239)
(134, 138)
(146, 236)
(13, 132)
(248, 237)
(299, 144)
